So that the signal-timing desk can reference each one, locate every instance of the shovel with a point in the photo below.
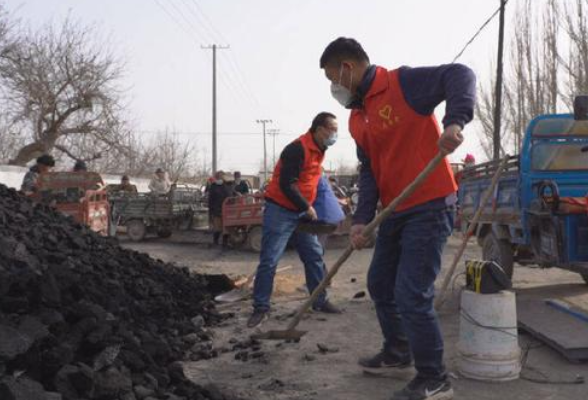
(440, 299)
(290, 333)
(243, 289)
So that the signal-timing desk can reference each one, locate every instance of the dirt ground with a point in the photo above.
(300, 371)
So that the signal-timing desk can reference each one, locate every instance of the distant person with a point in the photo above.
(160, 183)
(126, 186)
(265, 185)
(43, 165)
(80, 166)
(219, 190)
(469, 161)
(241, 185)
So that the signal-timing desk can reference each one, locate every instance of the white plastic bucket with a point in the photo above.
(488, 348)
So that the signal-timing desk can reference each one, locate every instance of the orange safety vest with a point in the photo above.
(309, 175)
(399, 143)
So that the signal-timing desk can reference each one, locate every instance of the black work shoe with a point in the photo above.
(328, 308)
(257, 318)
(385, 359)
(426, 389)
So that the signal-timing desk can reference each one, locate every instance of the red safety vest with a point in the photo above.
(309, 175)
(399, 143)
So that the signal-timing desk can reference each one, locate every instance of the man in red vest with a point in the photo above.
(289, 197)
(396, 133)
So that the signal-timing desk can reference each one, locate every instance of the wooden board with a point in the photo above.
(559, 330)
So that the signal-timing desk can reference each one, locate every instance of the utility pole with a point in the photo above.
(214, 48)
(498, 99)
(273, 133)
(263, 122)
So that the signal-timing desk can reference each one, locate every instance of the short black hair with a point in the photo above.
(80, 166)
(46, 160)
(343, 48)
(125, 178)
(321, 120)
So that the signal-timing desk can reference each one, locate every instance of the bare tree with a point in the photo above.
(3, 29)
(576, 62)
(484, 110)
(140, 156)
(532, 83)
(167, 151)
(60, 91)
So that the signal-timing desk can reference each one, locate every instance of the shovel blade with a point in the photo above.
(292, 334)
(233, 296)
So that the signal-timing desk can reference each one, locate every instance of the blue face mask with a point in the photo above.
(331, 140)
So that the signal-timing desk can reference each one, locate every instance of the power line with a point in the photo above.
(196, 133)
(212, 38)
(235, 86)
(233, 63)
(176, 21)
(195, 35)
(202, 133)
(494, 14)
(216, 31)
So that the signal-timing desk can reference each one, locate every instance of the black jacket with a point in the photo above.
(242, 187)
(216, 196)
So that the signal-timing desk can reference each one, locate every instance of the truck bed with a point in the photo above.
(504, 205)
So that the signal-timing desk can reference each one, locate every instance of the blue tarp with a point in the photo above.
(326, 204)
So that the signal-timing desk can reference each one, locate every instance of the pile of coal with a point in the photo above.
(83, 318)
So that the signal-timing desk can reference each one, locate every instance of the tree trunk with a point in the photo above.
(30, 152)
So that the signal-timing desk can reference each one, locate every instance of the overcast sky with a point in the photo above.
(271, 69)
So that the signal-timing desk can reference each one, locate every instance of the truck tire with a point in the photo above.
(498, 250)
(136, 230)
(164, 233)
(254, 238)
(238, 237)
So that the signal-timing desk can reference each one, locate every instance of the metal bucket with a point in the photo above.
(488, 348)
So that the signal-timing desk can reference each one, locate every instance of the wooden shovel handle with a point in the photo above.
(367, 232)
(440, 298)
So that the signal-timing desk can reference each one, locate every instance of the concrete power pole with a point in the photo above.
(273, 133)
(263, 122)
(498, 99)
(214, 48)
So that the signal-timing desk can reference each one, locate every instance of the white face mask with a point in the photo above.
(331, 140)
(340, 92)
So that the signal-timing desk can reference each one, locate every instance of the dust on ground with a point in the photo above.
(281, 371)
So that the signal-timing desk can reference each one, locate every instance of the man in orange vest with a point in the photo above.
(396, 133)
(289, 197)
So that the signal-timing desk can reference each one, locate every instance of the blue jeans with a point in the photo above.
(401, 277)
(279, 224)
